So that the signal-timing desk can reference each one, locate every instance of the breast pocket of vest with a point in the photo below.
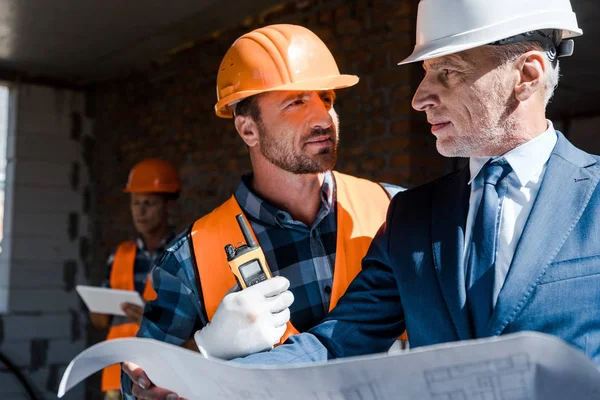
(577, 268)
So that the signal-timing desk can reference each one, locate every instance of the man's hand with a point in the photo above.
(100, 321)
(190, 344)
(248, 321)
(133, 312)
(142, 388)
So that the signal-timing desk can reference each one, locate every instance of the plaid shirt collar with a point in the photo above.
(259, 210)
(162, 246)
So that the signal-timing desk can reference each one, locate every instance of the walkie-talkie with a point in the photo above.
(247, 261)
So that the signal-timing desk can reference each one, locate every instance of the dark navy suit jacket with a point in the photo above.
(413, 275)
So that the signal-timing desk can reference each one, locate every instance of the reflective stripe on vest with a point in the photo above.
(121, 277)
(361, 209)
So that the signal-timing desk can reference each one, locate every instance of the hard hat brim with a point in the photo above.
(481, 37)
(223, 107)
(170, 189)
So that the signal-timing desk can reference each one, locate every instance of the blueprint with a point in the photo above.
(522, 366)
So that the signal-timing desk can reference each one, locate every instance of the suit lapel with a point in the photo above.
(449, 215)
(565, 192)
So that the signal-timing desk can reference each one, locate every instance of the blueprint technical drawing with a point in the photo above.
(522, 366)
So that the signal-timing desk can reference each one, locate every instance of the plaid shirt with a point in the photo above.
(304, 255)
(144, 261)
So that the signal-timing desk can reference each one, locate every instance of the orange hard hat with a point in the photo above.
(153, 175)
(276, 57)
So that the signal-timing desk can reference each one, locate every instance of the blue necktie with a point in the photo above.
(484, 241)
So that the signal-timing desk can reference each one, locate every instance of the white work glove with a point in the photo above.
(247, 321)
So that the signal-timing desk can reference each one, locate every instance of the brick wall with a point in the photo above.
(166, 110)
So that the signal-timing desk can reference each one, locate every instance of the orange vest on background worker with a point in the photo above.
(121, 277)
(152, 175)
(361, 210)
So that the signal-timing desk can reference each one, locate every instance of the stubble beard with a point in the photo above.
(274, 149)
(492, 133)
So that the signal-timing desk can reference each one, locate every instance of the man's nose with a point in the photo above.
(425, 96)
(319, 115)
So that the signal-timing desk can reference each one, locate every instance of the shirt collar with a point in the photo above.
(259, 210)
(526, 160)
(141, 245)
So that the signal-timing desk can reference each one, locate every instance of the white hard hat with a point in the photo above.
(451, 26)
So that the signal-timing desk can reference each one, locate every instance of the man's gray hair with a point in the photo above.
(509, 52)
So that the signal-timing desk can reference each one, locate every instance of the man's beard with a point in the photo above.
(283, 155)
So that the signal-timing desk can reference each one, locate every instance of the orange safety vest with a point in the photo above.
(121, 277)
(361, 209)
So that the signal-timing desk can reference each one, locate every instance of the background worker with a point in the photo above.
(153, 187)
(277, 84)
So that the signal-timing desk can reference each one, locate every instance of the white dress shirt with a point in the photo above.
(528, 162)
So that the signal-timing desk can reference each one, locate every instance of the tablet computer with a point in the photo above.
(106, 300)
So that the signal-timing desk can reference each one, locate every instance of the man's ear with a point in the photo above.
(532, 70)
(247, 129)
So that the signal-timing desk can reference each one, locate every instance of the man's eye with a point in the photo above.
(298, 102)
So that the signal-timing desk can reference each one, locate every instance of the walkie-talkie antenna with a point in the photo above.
(245, 231)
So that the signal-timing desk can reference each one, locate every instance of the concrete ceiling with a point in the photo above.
(91, 40)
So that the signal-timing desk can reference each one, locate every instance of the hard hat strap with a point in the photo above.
(550, 39)
(566, 48)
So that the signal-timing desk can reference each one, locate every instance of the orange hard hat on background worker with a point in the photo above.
(276, 57)
(153, 175)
